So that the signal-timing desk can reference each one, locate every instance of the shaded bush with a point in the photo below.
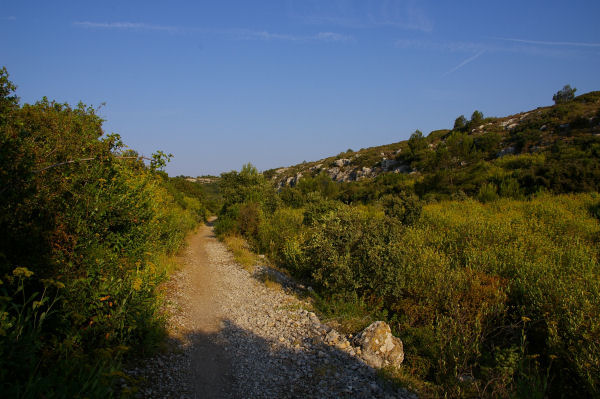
(405, 208)
(488, 192)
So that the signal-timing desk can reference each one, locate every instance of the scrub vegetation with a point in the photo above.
(87, 229)
(485, 263)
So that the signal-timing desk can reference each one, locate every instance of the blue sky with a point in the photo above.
(222, 83)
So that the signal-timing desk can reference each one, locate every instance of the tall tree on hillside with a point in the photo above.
(564, 95)
(460, 123)
(416, 142)
(476, 118)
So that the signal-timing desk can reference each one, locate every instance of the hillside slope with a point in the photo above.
(548, 134)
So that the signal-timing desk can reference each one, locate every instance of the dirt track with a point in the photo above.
(234, 338)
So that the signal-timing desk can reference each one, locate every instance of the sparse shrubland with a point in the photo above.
(87, 229)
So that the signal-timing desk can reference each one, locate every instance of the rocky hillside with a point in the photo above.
(535, 131)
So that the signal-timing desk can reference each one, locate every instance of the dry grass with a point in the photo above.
(405, 377)
(270, 282)
(241, 253)
(169, 263)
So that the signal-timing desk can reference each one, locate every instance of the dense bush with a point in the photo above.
(564, 95)
(85, 228)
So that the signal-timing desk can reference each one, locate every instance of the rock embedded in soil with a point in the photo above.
(379, 347)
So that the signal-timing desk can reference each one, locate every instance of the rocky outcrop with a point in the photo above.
(341, 162)
(379, 347)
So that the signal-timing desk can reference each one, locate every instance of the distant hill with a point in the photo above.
(555, 147)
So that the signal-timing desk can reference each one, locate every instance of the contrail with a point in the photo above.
(465, 62)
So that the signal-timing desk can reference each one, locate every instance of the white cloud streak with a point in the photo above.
(362, 14)
(332, 37)
(549, 43)
(465, 62)
(9, 18)
(449, 46)
(268, 36)
(238, 34)
(519, 47)
(126, 26)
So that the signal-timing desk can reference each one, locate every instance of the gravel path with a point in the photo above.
(232, 337)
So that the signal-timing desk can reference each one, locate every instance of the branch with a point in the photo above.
(84, 159)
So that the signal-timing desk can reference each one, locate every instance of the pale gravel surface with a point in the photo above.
(234, 338)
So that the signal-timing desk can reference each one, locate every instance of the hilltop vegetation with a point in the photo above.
(87, 229)
(553, 148)
(479, 245)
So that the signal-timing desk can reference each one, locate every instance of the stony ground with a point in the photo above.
(233, 337)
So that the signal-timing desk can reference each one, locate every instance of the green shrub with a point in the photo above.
(85, 232)
(488, 192)
(502, 291)
(249, 218)
(277, 233)
(405, 208)
(317, 207)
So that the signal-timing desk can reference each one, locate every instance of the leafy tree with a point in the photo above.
(321, 183)
(564, 95)
(241, 186)
(488, 143)
(79, 221)
(460, 123)
(488, 192)
(8, 100)
(416, 142)
(476, 118)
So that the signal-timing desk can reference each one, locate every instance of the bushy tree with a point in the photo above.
(404, 207)
(321, 183)
(83, 228)
(416, 142)
(460, 123)
(476, 118)
(564, 95)
(8, 100)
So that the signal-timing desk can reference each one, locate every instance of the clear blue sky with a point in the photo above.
(222, 83)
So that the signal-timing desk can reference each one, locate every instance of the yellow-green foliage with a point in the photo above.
(279, 233)
(505, 291)
(546, 251)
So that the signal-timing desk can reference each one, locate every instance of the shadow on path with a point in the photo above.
(260, 368)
